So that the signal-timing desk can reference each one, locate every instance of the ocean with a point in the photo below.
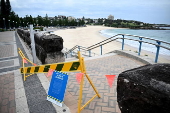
(163, 35)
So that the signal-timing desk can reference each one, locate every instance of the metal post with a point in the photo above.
(89, 53)
(123, 42)
(157, 52)
(33, 44)
(101, 49)
(79, 48)
(66, 55)
(140, 46)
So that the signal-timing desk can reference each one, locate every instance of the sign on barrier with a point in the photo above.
(57, 88)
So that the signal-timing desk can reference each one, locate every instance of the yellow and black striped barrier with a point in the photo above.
(62, 67)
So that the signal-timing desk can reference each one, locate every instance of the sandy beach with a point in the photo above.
(87, 36)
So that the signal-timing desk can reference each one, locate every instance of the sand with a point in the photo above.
(87, 36)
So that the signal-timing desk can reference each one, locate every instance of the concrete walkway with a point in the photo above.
(9, 63)
(17, 96)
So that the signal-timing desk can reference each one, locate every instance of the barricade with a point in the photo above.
(62, 67)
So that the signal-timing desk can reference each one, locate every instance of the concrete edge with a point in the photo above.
(143, 59)
(44, 81)
(20, 97)
(15, 47)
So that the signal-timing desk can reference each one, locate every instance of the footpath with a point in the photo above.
(17, 96)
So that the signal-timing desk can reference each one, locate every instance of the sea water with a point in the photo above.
(162, 35)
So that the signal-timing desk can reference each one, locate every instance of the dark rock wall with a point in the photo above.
(145, 89)
(45, 45)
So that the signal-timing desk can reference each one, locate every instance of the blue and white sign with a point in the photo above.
(57, 88)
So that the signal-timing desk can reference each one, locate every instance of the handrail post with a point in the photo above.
(140, 46)
(123, 42)
(89, 53)
(71, 53)
(79, 48)
(157, 52)
(101, 49)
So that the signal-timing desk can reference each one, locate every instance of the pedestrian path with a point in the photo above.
(17, 96)
(8, 64)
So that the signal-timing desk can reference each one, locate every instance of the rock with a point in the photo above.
(54, 57)
(48, 47)
(50, 43)
(145, 89)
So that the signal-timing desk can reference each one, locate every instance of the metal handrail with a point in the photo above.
(104, 43)
(72, 49)
(147, 43)
(80, 48)
(145, 38)
(101, 41)
(108, 40)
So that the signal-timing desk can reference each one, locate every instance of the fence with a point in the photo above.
(116, 37)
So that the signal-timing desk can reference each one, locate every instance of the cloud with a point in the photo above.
(126, 9)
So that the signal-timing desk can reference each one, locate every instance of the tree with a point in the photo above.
(3, 9)
(40, 20)
(8, 7)
(46, 22)
(2, 14)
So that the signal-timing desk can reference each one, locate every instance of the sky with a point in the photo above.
(148, 11)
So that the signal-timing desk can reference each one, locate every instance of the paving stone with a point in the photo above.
(4, 109)
(6, 51)
(12, 103)
(12, 110)
(4, 101)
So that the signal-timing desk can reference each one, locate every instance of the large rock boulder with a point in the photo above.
(50, 43)
(145, 89)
